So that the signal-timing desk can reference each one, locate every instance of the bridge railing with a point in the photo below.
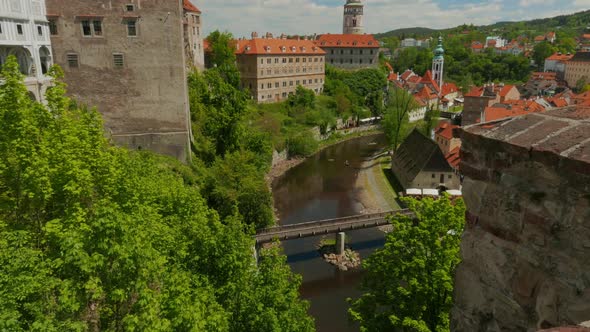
(329, 222)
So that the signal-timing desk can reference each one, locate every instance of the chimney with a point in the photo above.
(268, 35)
(283, 36)
(254, 34)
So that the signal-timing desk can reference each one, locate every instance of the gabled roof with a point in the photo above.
(419, 153)
(475, 92)
(407, 74)
(448, 88)
(539, 38)
(278, 46)
(426, 93)
(445, 130)
(506, 89)
(392, 77)
(427, 79)
(347, 40)
(188, 6)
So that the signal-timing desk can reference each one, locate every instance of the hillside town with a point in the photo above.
(233, 116)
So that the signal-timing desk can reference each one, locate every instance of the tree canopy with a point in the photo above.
(408, 283)
(99, 238)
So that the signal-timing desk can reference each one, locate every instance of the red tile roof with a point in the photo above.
(392, 77)
(544, 76)
(278, 46)
(586, 36)
(407, 74)
(426, 94)
(445, 130)
(475, 92)
(558, 102)
(506, 89)
(427, 79)
(347, 40)
(539, 38)
(560, 57)
(414, 79)
(448, 88)
(188, 6)
(511, 109)
(476, 45)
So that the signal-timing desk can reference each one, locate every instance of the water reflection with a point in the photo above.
(322, 187)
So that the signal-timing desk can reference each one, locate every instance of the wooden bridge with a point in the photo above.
(327, 226)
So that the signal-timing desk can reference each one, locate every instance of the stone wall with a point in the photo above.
(526, 247)
(136, 81)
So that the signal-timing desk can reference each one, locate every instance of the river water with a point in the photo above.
(323, 187)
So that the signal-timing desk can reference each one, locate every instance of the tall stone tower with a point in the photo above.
(353, 17)
(438, 63)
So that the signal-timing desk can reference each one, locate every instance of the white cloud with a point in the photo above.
(241, 17)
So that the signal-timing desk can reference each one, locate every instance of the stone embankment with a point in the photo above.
(526, 248)
(348, 260)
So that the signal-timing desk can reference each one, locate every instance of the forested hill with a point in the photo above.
(406, 33)
(577, 22)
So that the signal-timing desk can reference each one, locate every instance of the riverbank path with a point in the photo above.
(327, 226)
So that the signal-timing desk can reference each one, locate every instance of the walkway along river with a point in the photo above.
(323, 187)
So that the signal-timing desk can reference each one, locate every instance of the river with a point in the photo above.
(323, 187)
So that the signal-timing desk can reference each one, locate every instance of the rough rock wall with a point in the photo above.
(526, 249)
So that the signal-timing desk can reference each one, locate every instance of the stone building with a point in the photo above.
(127, 58)
(193, 40)
(350, 51)
(556, 63)
(526, 247)
(578, 68)
(419, 163)
(479, 98)
(353, 17)
(272, 68)
(24, 33)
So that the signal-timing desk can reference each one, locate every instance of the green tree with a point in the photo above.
(222, 56)
(542, 51)
(395, 118)
(302, 98)
(581, 83)
(99, 238)
(409, 283)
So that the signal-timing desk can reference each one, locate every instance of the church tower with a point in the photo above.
(353, 17)
(438, 63)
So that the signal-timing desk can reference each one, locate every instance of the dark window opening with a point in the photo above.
(19, 29)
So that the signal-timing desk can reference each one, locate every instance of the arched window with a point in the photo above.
(45, 57)
(25, 62)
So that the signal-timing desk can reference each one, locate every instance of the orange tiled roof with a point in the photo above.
(278, 46)
(511, 109)
(475, 92)
(544, 76)
(414, 79)
(560, 57)
(407, 74)
(539, 38)
(558, 102)
(426, 94)
(392, 77)
(427, 79)
(506, 89)
(188, 5)
(347, 40)
(550, 34)
(445, 130)
(586, 36)
(448, 88)
(476, 45)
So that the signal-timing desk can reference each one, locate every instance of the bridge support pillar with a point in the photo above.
(340, 241)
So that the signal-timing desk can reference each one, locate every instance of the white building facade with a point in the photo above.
(25, 33)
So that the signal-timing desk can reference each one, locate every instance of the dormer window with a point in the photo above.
(247, 48)
(267, 49)
(302, 48)
(283, 49)
(339, 42)
(293, 49)
(370, 43)
(354, 43)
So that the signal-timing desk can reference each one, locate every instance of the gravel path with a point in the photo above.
(375, 193)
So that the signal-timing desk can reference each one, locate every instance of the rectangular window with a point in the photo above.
(360, 51)
(72, 59)
(304, 59)
(269, 85)
(433, 175)
(284, 60)
(276, 84)
(297, 60)
(269, 61)
(290, 60)
(290, 83)
(19, 29)
(86, 31)
(276, 60)
(261, 61)
(53, 27)
(97, 25)
(118, 60)
(331, 51)
(0, 28)
(131, 28)
(129, 8)
(304, 82)
(40, 30)
(351, 52)
(284, 84)
(297, 82)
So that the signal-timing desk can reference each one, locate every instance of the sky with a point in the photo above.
(241, 17)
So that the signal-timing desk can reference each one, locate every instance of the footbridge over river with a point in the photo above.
(327, 226)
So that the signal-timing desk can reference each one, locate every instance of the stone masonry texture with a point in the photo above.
(526, 248)
(144, 98)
